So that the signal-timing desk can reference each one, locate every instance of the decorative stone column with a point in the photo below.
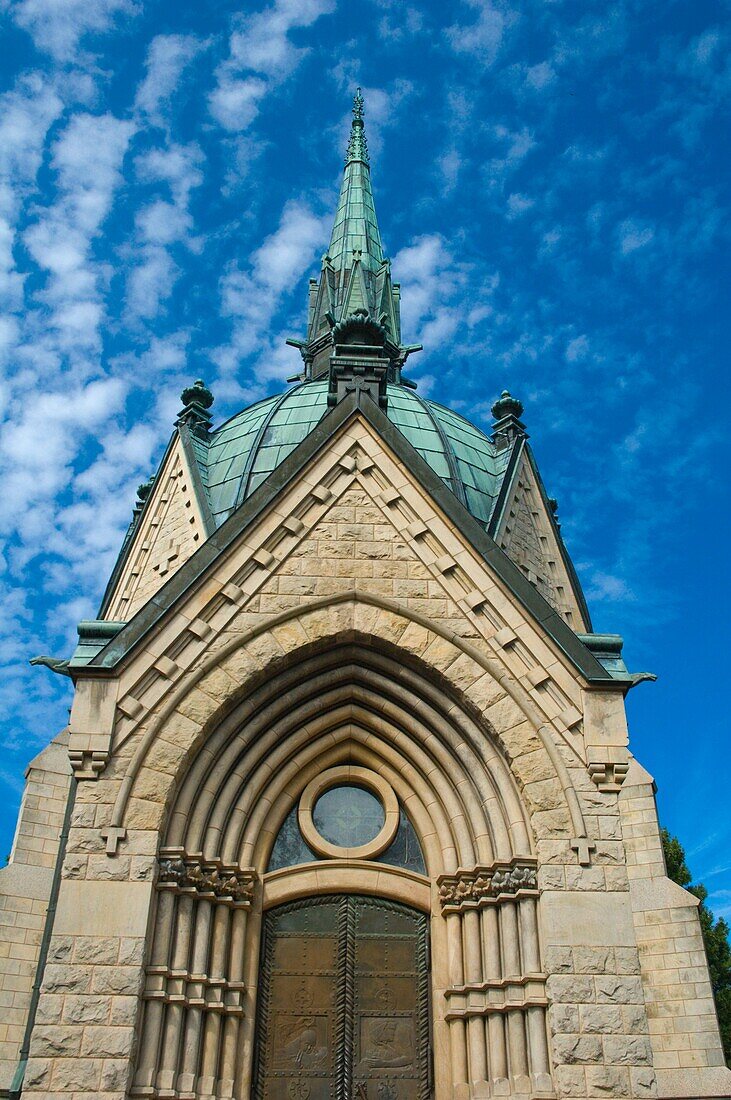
(497, 1001)
(194, 989)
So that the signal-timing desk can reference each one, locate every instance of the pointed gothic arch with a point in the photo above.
(230, 673)
(347, 699)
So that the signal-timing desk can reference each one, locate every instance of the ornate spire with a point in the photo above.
(357, 143)
(354, 324)
(355, 232)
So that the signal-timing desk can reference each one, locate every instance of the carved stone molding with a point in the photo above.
(487, 885)
(504, 995)
(583, 847)
(214, 879)
(194, 991)
(87, 764)
(609, 776)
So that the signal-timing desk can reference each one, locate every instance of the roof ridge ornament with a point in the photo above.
(507, 411)
(197, 400)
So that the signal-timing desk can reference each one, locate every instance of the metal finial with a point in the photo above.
(507, 405)
(197, 400)
(357, 144)
(197, 394)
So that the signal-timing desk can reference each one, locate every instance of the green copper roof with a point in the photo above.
(244, 451)
(356, 226)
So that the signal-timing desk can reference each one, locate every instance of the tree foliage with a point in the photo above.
(715, 936)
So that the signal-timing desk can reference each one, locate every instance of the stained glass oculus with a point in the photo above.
(290, 847)
(348, 816)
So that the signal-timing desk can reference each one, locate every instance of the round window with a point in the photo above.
(348, 812)
(348, 816)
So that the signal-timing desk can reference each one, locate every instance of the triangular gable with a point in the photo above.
(324, 303)
(171, 527)
(243, 521)
(525, 528)
(357, 292)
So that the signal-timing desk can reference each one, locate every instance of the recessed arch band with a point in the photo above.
(330, 605)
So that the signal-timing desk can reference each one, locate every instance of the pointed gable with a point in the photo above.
(265, 532)
(527, 531)
(167, 533)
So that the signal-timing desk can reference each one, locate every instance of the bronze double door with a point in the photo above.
(343, 1002)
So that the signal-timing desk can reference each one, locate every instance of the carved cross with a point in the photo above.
(583, 848)
(112, 834)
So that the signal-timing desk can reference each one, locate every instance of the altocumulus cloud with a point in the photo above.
(549, 180)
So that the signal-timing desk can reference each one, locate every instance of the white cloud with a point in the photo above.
(87, 158)
(406, 21)
(605, 587)
(633, 235)
(57, 26)
(150, 282)
(516, 145)
(483, 37)
(57, 338)
(26, 113)
(540, 76)
(261, 56)
(450, 164)
(161, 224)
(180, 166)
(577, 349)
(253, 295)
(167, 58)
(235, 103)
(263, 44)
(519, 204)
(441, 297)
(519, 143)
(61, 419)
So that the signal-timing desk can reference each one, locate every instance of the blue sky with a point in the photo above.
(551, 185)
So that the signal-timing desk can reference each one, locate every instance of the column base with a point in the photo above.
(543, 1085)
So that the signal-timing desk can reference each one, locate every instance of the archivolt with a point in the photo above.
(358, 704)
(347, 698)
(335, 611)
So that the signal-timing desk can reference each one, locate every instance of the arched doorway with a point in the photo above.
(248, 832)
(343, 1001)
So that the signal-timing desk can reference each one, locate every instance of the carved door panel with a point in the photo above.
(343, 1002)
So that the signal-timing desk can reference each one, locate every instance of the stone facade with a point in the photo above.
(25, 887)
(352, 622)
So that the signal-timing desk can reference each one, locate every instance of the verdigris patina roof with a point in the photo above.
(245, 450)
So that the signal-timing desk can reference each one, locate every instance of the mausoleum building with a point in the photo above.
(345, 809)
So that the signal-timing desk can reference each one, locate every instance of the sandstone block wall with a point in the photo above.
(25, 886)
(684, 1032)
